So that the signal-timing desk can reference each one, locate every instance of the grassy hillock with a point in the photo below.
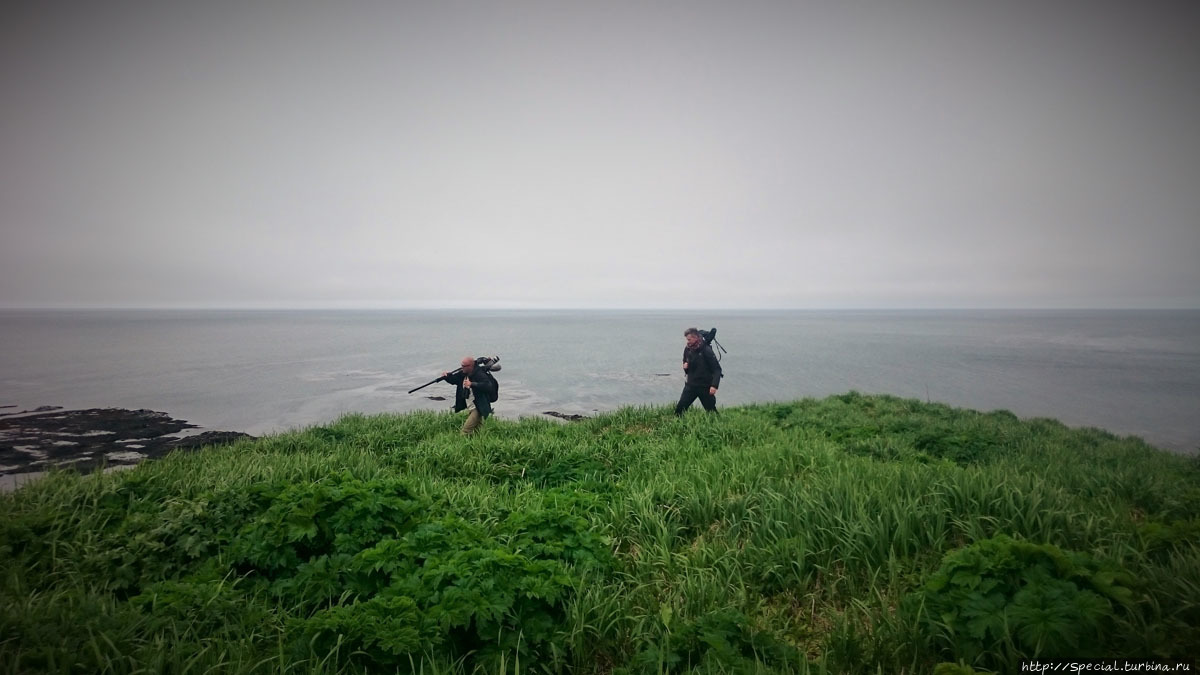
(854, 534)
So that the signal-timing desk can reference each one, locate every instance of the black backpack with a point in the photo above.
(495, 393)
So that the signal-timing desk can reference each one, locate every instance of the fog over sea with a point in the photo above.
(1130, 372)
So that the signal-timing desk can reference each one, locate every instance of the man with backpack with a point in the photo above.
(703, 371)
(475, 390)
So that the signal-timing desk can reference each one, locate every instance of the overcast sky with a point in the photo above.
(600, 154)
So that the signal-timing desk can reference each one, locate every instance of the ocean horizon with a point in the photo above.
(1131, 371)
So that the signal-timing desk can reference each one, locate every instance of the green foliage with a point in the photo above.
(444, 587)
(885, 428)
(1160, 539)
(781, 538)
(382, 630)
(724, 636)
(209, 605)
(389, 581)
(959, 445)
(557, 531)
(956, 669)
(137, 533)
(305, 524)
(999, 600)
(887, 449)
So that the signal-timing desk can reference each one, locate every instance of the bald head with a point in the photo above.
(468, 364)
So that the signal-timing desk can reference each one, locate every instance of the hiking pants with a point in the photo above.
(690, 394)
(482, 409)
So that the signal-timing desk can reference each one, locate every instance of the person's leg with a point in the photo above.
(708, 401)
(473, 422)
(685, 399)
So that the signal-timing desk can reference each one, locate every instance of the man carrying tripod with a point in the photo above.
(474, 390)
(703, 373)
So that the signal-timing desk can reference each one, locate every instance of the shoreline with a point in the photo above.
(33, 441)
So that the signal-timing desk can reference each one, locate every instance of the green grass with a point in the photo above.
(792, 538)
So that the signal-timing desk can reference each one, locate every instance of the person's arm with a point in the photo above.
(454, 378)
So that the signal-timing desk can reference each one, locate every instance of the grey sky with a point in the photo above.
(601, 154)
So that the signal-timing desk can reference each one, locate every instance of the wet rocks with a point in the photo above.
(88, 439)
(209, 438)
(570, 417)
(44, 408)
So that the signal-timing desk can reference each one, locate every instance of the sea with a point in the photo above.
(261, 372)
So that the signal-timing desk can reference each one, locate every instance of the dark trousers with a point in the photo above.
(691, 393)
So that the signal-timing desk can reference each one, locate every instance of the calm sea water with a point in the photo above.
(1131, 372)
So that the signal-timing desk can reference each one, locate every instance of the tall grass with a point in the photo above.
(771, 538)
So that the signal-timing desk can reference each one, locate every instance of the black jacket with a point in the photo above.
(483, 385)
(703, 368)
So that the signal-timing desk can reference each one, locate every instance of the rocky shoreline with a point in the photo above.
(570, 417)
(86, 440)
(35, 440)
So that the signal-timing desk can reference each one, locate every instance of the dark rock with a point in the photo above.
(436, 398)
(662, 374)
(39, 409)
(88, 439)
(570, 417)
(210, 438)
